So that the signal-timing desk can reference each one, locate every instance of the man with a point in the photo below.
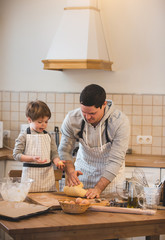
(103, 135)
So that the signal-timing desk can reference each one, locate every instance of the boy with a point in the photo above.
(37, 149)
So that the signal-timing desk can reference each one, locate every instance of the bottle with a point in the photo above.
(132, 196)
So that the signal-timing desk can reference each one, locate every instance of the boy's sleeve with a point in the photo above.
(19, 147)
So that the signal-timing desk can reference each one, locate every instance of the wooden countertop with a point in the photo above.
(137, 160)
(89, 225)
(132, 160)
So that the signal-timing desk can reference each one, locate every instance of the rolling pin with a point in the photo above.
(122, 210)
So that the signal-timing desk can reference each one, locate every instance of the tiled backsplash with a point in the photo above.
(145, 112)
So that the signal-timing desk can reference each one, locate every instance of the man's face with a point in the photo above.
(92, 114)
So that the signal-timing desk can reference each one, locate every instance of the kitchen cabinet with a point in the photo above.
(12, 165)
(2, 168)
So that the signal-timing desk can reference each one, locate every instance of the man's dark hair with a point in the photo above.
(93, 95)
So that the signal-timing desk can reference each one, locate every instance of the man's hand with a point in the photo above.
(72, 178)
(98, 189)
(93, 192)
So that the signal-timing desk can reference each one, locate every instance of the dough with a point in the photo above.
(75, 191)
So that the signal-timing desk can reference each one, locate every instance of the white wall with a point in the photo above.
(135, 33)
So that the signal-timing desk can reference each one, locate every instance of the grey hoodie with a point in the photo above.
(118, 132)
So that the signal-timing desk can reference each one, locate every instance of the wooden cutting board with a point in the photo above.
(51, 199)
(20, 210)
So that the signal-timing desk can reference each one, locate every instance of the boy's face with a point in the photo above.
(39, 125)
(92, 114)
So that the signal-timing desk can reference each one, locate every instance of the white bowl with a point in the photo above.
(12, 189)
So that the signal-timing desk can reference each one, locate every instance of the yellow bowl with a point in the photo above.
(73, 208)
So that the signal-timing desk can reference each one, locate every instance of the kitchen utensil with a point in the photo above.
(56, 130)
(139, 176)
(122, 190)
(13, 189)
(73, 208)
(122, 210)
(150, 197)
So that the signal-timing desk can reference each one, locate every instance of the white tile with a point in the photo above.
(60, 98)
(32, 96)
(50, 97)
(69, 98)
(14, 96)
(24, 97)
(6, 96)
(41, 96)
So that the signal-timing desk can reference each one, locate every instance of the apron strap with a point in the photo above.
(106, 132)
(28, 131)
(82, 128)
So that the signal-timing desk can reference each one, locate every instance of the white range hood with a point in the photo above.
(79, 42)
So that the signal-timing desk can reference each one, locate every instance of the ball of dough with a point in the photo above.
(75, 191)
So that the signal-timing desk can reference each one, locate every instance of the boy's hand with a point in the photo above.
(37, 159)
(60, 164)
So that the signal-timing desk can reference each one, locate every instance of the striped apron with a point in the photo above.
(92, 162)
(42, 174)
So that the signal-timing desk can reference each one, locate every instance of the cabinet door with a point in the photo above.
(152, 174)
(2, 168)
(12, 165)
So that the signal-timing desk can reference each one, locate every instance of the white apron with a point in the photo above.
(43, 176)
(92, 162)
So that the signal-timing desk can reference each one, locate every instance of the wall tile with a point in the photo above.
(157, 100)
(157, 110)
(117, 99)
(41, 96)
(14, 106)
(146, 130)
(24, 97)
(157, 121)
(50, 97)
(60, 98)
(127, 99)
(77, 98)
(5, 96)
(69, 98)
(147, 120)
(157, 131)
(127, 109)
(137, 110)
(147, 100)
(32, 96)
(137, 99)
(14, 96)
(147, 110)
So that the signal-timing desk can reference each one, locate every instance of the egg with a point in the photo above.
(72, 202)
(85, 202)
(78, 200)
(66, 201)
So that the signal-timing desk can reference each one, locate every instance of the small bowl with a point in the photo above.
(73, 208)
(13, 189)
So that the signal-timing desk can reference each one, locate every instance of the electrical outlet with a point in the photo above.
(6, 133)
(144, 139)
